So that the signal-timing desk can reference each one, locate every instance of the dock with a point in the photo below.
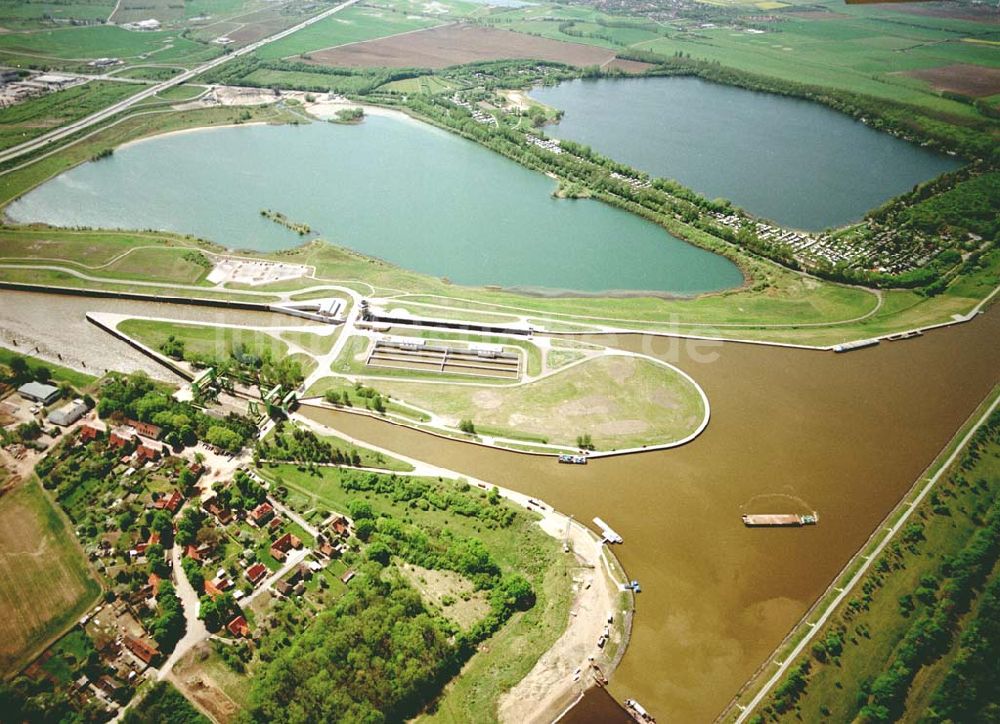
(779, 520)
(606, 530)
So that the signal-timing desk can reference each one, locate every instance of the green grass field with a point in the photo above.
(24, 14)
(98, 41)
(79, 380)
(47, 584)
(369, 458)
(620, 401)
(203, 340)
(32, 118)
(349, 26)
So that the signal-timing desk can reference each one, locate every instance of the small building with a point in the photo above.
(238, 627)
(284, 588)
(345, 579)
(121, 438)
(88, 433)
(340, 526)
(171, 503)
(68, 413)
(261, 514)
(39, 392)
(145, 429)
(280, 547)
(256, 573)
(193, 553)
(146, 453)
(143, 650)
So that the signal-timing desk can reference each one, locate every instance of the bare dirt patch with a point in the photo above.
(203, 677)
(453, 595)
(458, 44)
(976, 13)
(971, 80)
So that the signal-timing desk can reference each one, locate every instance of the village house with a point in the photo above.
(238, 627)
(88, 433)
(340, 526)
(212, 507)
(146, 652)
(144, 428)
(145, 453)
(280, 547)
(121, 438)
(261, 514)
(256, 573)
(171, 503)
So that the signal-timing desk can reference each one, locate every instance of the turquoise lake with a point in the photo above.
(796, 162)
(391, 188)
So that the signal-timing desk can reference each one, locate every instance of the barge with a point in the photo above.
(573, 459)
(859, 344)
(779, 520)
(637, 712)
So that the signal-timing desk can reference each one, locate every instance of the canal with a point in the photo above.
(392, 188)
(794, 161)
(843, 434)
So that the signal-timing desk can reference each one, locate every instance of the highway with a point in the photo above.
(116, 108)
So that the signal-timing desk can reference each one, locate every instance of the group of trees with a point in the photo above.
(932, 632)
(167, 626)
(460, 499)
(163, 704)
(304, 446)
(376, 656)
(137, 397)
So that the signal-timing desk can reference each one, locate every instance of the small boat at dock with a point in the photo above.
(573, 459)
(779, 520)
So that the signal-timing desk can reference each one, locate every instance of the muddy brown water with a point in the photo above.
(845, 435)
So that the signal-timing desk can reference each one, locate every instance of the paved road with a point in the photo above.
(196, 631)
(105, 113)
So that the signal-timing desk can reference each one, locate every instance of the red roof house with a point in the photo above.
(280, 547)
(145, 429)
(238, 627)
(88, 433)
(170, 502)
(256, 572)
(261, 514)
(145, 651)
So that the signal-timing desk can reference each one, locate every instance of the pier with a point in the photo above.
(610, 536)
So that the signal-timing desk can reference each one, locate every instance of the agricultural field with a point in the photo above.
(353, 25)
(132, 11)
(24, 121)
(969, 80)
(459, 44)
(98, 41)
(620, 401)
(24, 14)
(46, 581)
(860, 48)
